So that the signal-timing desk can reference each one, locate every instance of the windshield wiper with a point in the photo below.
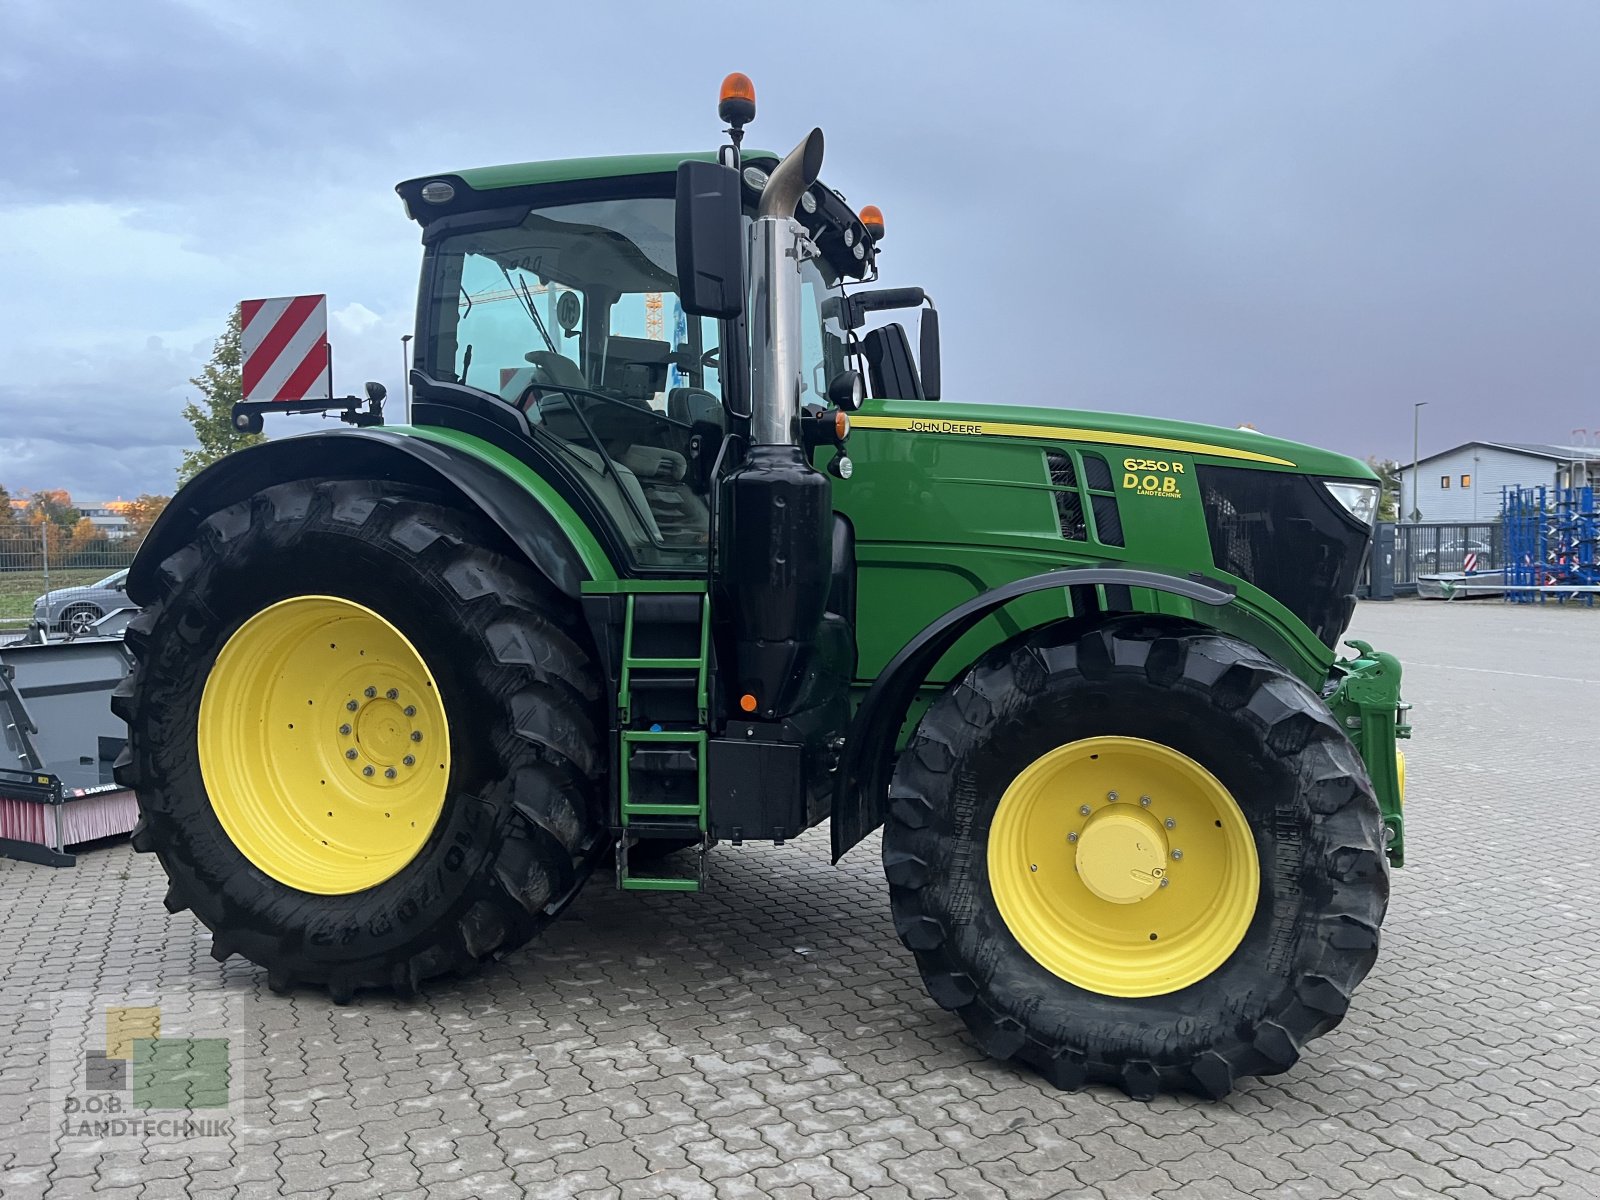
(527, 303)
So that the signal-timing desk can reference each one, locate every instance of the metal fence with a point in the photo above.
(1445, 549)
(59, 579)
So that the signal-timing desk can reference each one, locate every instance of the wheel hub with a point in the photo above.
(1122, 854)
(385, 735)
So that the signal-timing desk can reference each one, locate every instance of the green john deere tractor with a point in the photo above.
(646, 569)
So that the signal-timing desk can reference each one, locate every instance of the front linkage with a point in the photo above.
(1365, 698)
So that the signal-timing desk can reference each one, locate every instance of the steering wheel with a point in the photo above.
(712, 358)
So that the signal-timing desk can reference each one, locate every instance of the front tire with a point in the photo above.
(79, 621)
(1040, 945)
(363, 739)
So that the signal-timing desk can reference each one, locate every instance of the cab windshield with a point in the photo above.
(572, 317)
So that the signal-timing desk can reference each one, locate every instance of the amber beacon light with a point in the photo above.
(736, 103)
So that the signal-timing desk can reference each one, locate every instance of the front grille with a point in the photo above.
(1287, 536)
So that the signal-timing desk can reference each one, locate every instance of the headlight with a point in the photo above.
(1360, 500)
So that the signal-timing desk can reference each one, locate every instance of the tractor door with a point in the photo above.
(570, 315)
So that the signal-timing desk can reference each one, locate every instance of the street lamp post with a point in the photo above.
(1416, 417)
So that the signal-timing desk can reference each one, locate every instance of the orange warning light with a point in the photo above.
(736, 103)
(872, 218)
(747, 702)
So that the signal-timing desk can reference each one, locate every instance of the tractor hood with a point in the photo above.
(1239, 447)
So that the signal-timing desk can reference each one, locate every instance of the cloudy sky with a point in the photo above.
(1304, 216)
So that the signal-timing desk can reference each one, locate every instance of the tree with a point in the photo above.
(48, 518)
(89, 546)
(141, 514)
(1388, 473)
(8, 518)
(212, 417)
(52, 506)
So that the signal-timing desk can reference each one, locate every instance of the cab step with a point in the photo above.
(655, 881)
(663, 661)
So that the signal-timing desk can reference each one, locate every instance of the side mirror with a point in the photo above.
(710, 240)
(929, 353)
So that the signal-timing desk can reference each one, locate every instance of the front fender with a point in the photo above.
(522, 505)
(862, 790)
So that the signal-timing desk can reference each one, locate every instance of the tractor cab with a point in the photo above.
(549, 293)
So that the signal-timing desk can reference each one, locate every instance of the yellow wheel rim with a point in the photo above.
(1123, 866)
(324, 745)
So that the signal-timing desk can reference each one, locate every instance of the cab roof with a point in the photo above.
(570, 170)
(835, 224)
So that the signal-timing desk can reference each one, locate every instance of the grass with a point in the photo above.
(19, 589)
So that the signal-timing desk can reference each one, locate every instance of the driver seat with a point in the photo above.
(556, 369)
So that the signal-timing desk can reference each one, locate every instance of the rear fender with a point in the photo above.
(527, 510)
(862, 791)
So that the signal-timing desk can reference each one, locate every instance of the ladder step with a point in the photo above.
(636, 883)
(627, 880)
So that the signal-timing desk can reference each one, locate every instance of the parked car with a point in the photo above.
(1452, 555)
(74, 610)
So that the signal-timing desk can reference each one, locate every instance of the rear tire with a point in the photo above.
(519, 825)
(1269, 741)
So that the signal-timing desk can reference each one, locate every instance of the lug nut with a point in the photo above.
(393, 694)
(1145, 800)
(352, 705)
(416, 735)
(1164, 882)
(1072, 837)
(1111, 795)
(1083, 809)
(370, 693)
(389, 773)
(367, 771)
(350, 753)
(1170, 823)
(345, 729)
(411, 710)
(1176, 855)
(409, 760)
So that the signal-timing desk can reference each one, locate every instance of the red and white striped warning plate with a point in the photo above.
(284, 347)
(1470, 563)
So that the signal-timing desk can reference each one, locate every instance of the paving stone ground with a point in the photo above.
(770, 1038)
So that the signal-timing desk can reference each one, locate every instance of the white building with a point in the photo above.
(1464, 484)
(110, 517)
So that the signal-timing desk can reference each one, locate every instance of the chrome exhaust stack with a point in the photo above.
(779, 244)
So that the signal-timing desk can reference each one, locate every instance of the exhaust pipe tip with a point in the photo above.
(791, 177)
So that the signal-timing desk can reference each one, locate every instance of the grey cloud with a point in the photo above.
(89, 472)
(1307, 217)
(149, 100)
